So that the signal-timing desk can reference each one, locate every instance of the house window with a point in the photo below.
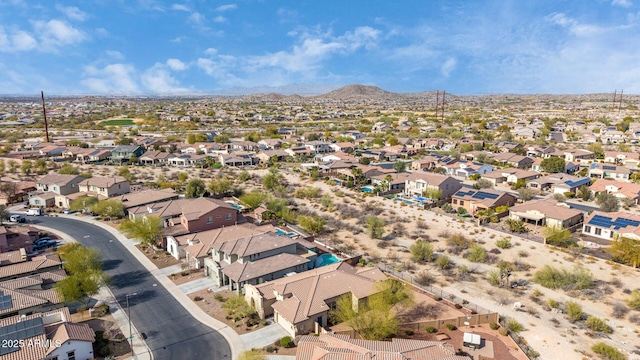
(209, 220)
(598, 231)
(587, 229)
(228, 216)
(71, 355)
(461, 202)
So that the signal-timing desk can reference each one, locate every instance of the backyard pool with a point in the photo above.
(326, 259)
(421, 199)
(367, 189)
(235, 206)
(408, 202)
(282, 232)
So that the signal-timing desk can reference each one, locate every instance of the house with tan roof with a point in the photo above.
(16, 191)
(547, 212)
(620, 189)
(510, 176)
(342, 347)
(31, 293)
(154, 157)
(473, 200)
(604, 171)
(35, 265)
(300, 303)
(419, 184)
(631, 159)
(141, 198)
(257, 258)
(14, 238)
(54, 334)
(104, 187)
(52, 188)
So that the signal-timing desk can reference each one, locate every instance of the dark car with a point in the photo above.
(42, 239)
(44, 244)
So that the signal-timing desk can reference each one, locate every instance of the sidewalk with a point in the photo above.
(233, 339)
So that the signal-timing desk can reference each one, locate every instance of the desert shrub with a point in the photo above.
(408, 332)
(578, 278)
(443, 262)
(607, 351)
(219, 298)
(503, 243)
(573, 310)
(197, 298)
(286, 342)
(494, 326)
(451, 327)
(597, 324)
(422, 251)
(503, 331)
(431, 329)
(270, 349)
(493, 277)
(634, 301)
(514, 325)
(619, 310)
(553, 303)
(476, 253)
(457, 243)
(424, 278)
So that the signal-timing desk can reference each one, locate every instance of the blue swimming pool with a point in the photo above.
(235, 206)
(421, 198)
(367, 189)
(326, 259)
(284, 233)
(408, 202)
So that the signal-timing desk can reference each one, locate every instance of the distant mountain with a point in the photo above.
(356, 91)
(291, 89)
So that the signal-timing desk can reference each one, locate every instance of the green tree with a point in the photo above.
(626, 251)
(483, 184)
(125, 172)
(556, 236)
(375, 226)
(607, 202)
(83, 202)
(237, 307)
(68, 169)
(26, 167)
(84, 273)
(183, 176)
(312, 224)
(400, 166)
(13, 166)
(553, 164)
(191, 139)
(516, 226)
(244, 176)
(41, 166)
(422, 251)
(195, 188)
(584, 193)
(110, 208)
(374, 319)
(147, 229)
(271, 180)
(253, 199)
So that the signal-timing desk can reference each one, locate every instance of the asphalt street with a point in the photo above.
(172, 332)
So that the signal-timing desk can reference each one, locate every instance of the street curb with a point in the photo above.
(233, 339)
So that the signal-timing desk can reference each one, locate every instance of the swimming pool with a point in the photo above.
(282, 232)
(421, 198)
(408, 202)
(367, 189)
(235, 206)
(326, 259)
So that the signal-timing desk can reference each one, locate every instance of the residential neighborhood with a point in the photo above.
(274, 217)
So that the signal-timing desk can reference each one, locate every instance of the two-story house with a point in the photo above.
(258, 258)
(615, 172)
(423, 184)
(104, 187)
(126, 152)
(52, 189)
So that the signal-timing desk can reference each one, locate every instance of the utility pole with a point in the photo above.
(437, 110)
(44, 112)
(444, 92)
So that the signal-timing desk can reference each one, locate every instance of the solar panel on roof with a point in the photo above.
(608, 167)
(5, 301)
(13, 333)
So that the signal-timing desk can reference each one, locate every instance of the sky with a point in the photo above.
(155, 47)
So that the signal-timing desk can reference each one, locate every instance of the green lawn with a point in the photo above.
(117, 122)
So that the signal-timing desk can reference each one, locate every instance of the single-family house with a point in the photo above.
(620, 189)
(559, 183)
(342, 347)
(547, 212)
(425, 164)
(343, 146)
(270, 144)
(612, 225)
(235, 160)
(629, 159)
(17, 237)
(59, 184)
(513, 160)
(318, 147)
(126, 152)
(301, 301)
(153, 157)
(424, 184)
(277, 155)
(141, 198)
(510, 176)
(473, 200)
(394, 182)
(607, 171)
(355, 135)
(52, 335)
(104, 187)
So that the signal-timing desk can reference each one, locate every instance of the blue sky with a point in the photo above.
(207, 47)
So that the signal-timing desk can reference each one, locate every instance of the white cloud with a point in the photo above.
(220, 19)
(113, 78)
(157, 79)
(226, 7)
(55, 33)
(621, 3)
(448, 66)
(115, 54)
(72, 12)
(178, 39)
(211, 51)
(176, 65)
(180, 7)
(16, 41)
(574, 26)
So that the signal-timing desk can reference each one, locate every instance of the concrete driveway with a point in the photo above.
(263, 337)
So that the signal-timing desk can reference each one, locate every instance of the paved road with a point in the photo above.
(172, 332)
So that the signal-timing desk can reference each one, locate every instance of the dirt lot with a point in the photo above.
(119, 347)
(191, 275)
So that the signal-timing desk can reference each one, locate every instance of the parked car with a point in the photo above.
(44, 244)
(17, 218)
(68, 211)
(42, 239)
